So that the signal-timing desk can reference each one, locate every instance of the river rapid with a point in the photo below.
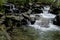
(47, 30)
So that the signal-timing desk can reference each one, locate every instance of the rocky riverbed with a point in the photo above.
(37, 22)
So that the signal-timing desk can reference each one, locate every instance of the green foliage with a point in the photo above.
(58, 3)
(2, 2)
(17, 2)
(46, 1)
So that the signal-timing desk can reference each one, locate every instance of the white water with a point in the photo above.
(45, 20)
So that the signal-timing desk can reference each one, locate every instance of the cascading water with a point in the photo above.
(44, 22)
(47, 30)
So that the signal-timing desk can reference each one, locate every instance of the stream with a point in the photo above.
(47, 30)
(44, 26)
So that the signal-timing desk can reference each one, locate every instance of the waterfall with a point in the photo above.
(44, 22)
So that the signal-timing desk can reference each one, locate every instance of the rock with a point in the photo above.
(24, 22)
(23, 9)
(56, 21)
(16, 22)
(37, 10)
(7, 11)
(30, 4)
(10, 29)
(55, 11)
(29, 11)
(32, 20)
(15, 10)
(26, 16)
(6, 22)
(10, 8)
(27, 5)
(13, 21)
(37, 17)
(36, 6)
(1, 15)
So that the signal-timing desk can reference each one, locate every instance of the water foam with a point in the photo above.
(45, 15)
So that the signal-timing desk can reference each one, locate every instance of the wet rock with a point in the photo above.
(24, 22)
(18, 24)
(1, 15)
(32, 20)
(37, 17)
(15, 10)
(29, 11)
(23, 9)
(10, 29)
(7, 11)
(55, 11)
(10, 8)
(36, 6)
(26, 16)
(27, 5)
(6, 22)
(15, 22)
(37, 10)
(56, 21)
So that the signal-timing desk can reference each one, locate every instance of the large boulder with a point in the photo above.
(56, 21)
(55, 11)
